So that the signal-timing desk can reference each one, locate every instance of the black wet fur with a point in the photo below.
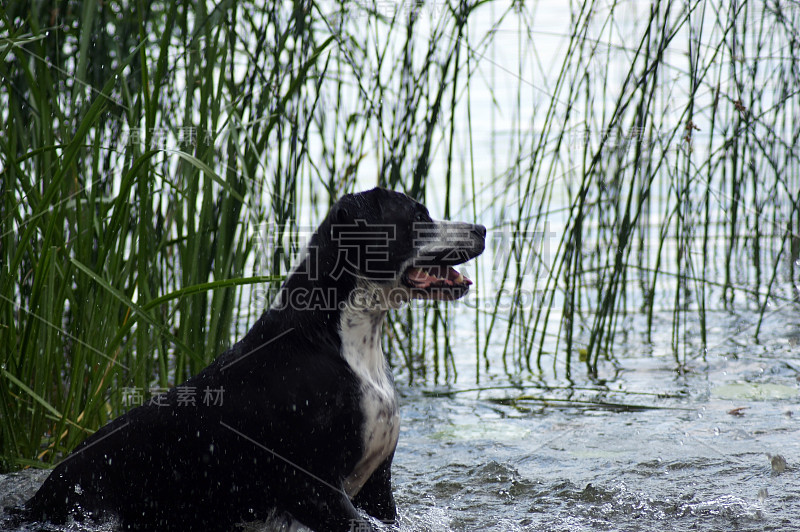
(288, 430)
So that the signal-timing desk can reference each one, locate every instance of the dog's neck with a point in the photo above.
(324, 306)
(360, 334)
(348, 311)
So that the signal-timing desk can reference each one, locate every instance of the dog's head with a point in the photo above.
(386, 240)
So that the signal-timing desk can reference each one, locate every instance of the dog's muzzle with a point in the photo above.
(441, 246)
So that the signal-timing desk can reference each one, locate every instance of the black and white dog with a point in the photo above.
(309, 421)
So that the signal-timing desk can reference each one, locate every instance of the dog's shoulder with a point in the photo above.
(283, 370)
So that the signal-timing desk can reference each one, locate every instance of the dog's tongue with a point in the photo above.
(450, 277)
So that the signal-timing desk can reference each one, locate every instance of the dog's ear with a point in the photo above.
(382, 200)
(340, 214)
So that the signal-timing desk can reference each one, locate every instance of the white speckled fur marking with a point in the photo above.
(360, 331)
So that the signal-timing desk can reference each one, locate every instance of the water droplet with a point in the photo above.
(777, 462)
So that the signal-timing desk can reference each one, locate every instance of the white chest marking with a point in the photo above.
(361, 348)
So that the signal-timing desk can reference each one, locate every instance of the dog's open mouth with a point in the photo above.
(436, 282)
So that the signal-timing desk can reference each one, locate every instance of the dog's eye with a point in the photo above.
(419, 217)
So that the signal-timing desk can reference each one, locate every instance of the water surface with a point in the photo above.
(698, 455)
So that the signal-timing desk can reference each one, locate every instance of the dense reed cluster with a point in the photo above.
(162, 162)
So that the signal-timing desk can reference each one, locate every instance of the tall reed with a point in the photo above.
(162, 162)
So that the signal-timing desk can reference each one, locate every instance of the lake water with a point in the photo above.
(673, 437)
(707, 457)
(714, 447)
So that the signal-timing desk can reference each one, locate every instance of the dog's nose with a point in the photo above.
(479, 230)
